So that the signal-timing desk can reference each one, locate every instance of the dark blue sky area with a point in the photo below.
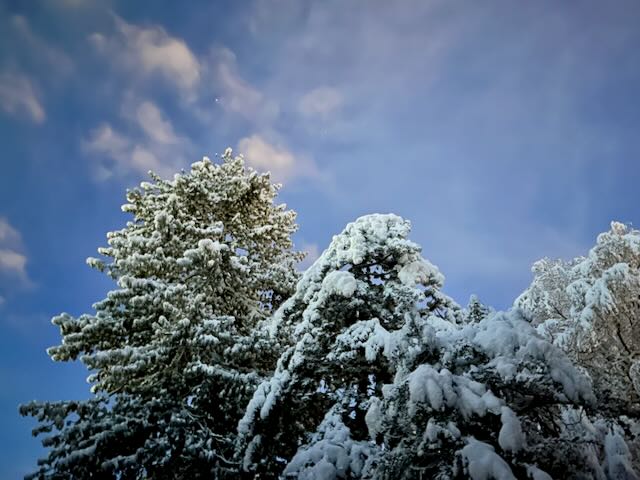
(505, 131)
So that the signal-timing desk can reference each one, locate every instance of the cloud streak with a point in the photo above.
(151, 51)
(13, 260)
(282, 163)
(152, 122)
(18, 97)
(152, 144)
(320, 102)
(488, 146)
(208, 86)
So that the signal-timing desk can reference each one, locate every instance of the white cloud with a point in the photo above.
(277, 159)
(283, 165)
(151, 50)
(126, 155)
(13, 260)
(143, 160)
(104, 140)
(150, 143)
(151, 120)
(207, 84)
(8, 234)
(320, 102)
(262, 154)
(18, 97)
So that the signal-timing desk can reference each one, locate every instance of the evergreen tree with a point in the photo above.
(207, 256)
(592, 310)
(495, 400)
(475, 310)
(590, 307)
(384, 380)
(349, 321)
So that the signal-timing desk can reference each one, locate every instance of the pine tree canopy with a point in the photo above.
(205, 258)
(214, 358)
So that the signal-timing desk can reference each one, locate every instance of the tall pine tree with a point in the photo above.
(357, 314)
(206, 257)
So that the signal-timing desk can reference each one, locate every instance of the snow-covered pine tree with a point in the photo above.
(207, 256)
(350, 318)
(591, 308)
(475, 310)
(496, 401)
(385, 381)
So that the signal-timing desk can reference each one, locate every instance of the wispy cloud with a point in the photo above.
(8, 234)
(18, 97)
(151, 51)
(320, 102)
(72, 3)
(142, 138)
(150, 119)
(282, 163)
(475, 139)
(149, 144)
(209, 86)
(13, 260)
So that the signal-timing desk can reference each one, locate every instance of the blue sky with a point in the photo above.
(505, 131)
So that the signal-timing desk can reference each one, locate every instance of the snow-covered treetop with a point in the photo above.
(374, 249)
(377, 353)
(357, 303)
(590, 306)
(215, 228)
(207, 255)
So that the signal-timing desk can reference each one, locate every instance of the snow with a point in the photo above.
(440, 389)
(345, 324)
(340, 283)
(376, 230)
(511, 340)
(276, 385)
(511, 438)
(618, 457)
(420, 272)
(483, 463)
(634, 374)
(374, 416)
(426, 385)
(366, 335)
(331, 455)
(534, 473)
